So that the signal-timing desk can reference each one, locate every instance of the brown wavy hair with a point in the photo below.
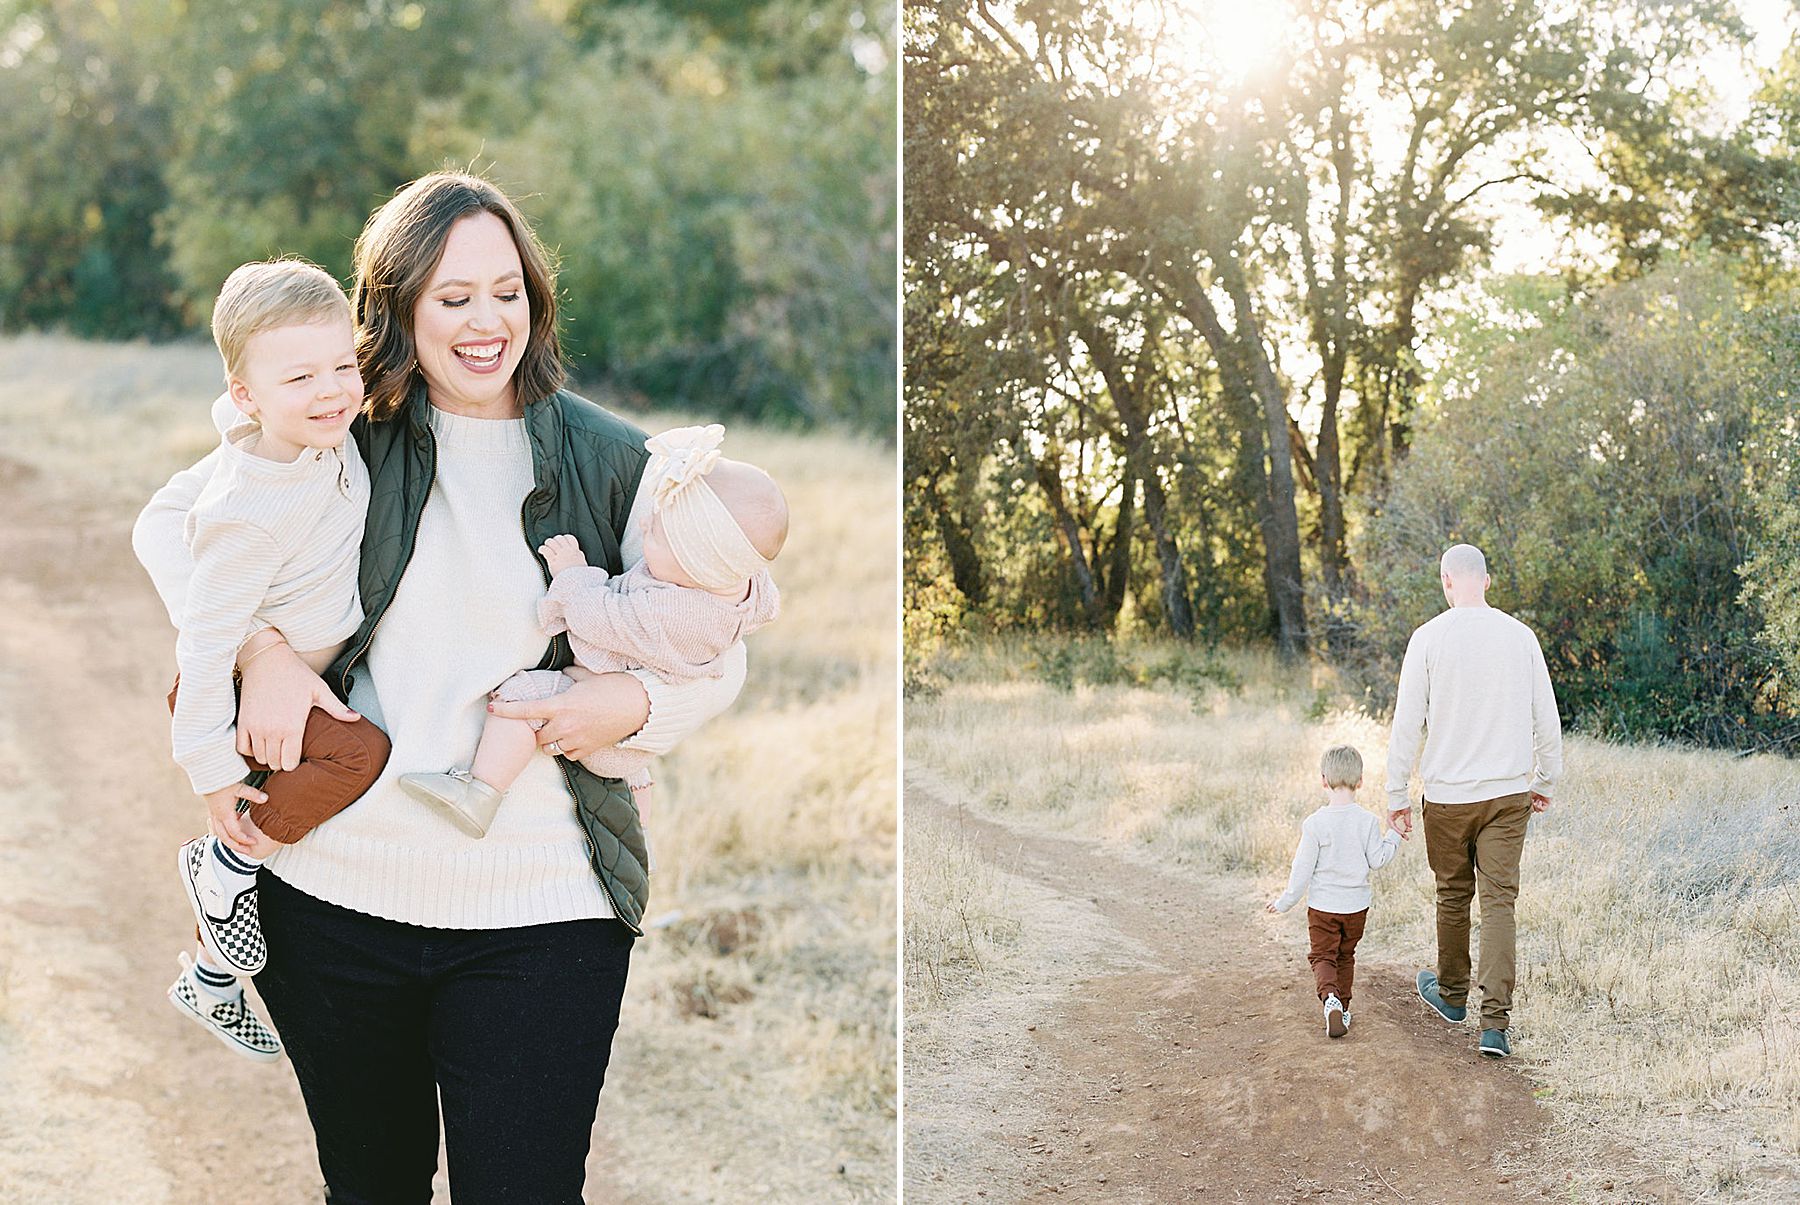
(397, 252)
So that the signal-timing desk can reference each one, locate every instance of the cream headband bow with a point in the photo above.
(705, 540)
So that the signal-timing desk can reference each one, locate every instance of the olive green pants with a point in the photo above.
(1475, 848)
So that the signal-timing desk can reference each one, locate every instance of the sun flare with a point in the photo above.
(1230, 38)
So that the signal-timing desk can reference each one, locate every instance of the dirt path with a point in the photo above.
(1196, 1067)
(100, 1079)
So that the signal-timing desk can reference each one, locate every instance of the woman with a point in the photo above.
(409, 963)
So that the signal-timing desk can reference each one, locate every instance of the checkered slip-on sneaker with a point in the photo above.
(230, 1021)
(236, 941)
(1334, 1018)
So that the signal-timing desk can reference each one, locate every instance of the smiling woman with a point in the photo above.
(470, 332)
(476, 458)
(477, 290)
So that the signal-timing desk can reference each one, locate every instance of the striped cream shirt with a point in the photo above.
(274, 545)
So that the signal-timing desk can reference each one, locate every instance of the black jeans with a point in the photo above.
(511, 1027)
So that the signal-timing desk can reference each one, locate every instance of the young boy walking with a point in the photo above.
(1339, 845)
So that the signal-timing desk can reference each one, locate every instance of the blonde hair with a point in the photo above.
(1342, 766)
(268, 294)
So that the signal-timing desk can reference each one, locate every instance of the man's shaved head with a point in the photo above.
(1464, 561)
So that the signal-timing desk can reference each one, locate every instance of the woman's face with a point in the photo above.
(472, 322)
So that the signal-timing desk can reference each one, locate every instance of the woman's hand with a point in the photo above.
(279, 692)
(599, 711)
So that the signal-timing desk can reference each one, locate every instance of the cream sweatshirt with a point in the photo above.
(463, 618)
(1339, 845)
(273, 545)
(1475, 690)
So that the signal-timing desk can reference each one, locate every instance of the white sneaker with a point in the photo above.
(1335, 1024)
(230, 1021)
(1346, 1019)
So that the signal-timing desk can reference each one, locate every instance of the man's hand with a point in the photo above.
(1539, 803)
(562, 552)
(1270, 907)
(235, 828)
(1400, 820)
(279, 693)
(599, 711)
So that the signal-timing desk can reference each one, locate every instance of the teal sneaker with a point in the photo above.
(1494, 1043)
(1428, 992)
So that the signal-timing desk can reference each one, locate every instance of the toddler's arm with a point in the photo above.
(1305, 859)
(233, 567)
(1380, 849)
(157, 537)
(661, 628)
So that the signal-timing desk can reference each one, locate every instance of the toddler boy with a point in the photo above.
(1339, 845)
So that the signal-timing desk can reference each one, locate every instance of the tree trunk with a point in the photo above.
(1283, 537)
(1328, 472)
(1176, 607)
(1134, 417)
(965, 562)
(1051, 481)
(1240, 398)
(1118, 559)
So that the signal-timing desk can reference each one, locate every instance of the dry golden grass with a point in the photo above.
(962, 925)
(1659, 921)
(756, 1055)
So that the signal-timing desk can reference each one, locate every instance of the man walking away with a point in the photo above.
(1475, 692)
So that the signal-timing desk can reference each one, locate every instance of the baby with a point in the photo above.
(275, 537)
(715, 527)
(1339, 845)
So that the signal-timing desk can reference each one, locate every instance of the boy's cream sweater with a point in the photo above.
(1339, 845)
(274, 545)
(1475, 688)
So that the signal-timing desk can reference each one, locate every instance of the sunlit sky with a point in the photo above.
(1241, 37)
(1238, 38)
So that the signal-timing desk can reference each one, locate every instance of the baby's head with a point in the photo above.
(715, 523)
(1341, 768)
(284, 331)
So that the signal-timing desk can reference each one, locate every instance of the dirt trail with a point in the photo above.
(107, 1095)
(1199, 1069)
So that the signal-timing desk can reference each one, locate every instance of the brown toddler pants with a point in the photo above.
(338, 762)
(1332, 953)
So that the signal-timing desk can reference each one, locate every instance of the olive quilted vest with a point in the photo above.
(587, 463)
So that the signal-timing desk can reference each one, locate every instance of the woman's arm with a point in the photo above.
(635, 709)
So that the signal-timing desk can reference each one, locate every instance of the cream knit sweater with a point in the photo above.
(1475, 689)
(463, 618)
(1339, 845)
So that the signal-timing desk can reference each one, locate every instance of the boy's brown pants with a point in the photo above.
(1333, 937)
(1471, 845)
(338, 762)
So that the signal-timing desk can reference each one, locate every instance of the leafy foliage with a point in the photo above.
(717, 178)
(1604, 458)
(1177, 321)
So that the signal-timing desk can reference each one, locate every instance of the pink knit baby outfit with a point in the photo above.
(636, 621)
